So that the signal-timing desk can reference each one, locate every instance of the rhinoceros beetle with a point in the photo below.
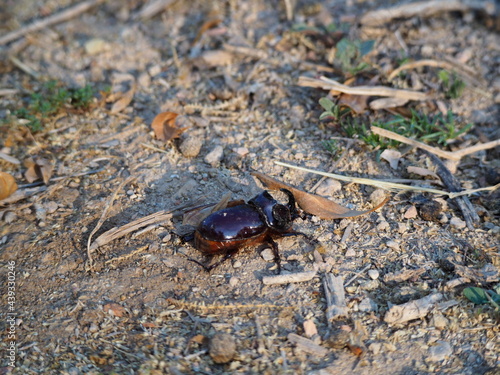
(256, 222)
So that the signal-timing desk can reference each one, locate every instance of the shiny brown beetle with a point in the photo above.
(256, 222)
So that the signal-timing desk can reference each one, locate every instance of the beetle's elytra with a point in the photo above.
(252, 223)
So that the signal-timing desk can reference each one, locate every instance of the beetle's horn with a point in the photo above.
(291, 203)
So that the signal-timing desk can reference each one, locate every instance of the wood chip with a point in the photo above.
(289, 278)
(335, 297)
(412, 310)
(307, 345)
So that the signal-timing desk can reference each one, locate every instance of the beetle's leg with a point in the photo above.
(226, 256)
(210, 267)
(188, 237)
(277, 258)
(291, 234)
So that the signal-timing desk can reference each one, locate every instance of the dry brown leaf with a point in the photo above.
(115, 309)
(195, 216)
(7, 185)
(392, 156)
(357, 103)
(38, 169)
(314, 204)
(165, 127)
(124, 101)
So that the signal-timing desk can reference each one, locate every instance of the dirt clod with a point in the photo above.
(222, 348)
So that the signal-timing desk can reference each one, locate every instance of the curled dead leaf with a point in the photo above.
(124, 100)
(165, 127)
(357, 103)
(38, 169)
(314, 204)
(7, 185)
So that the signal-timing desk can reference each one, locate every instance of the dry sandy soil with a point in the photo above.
(144, 307)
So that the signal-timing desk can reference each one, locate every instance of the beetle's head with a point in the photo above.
(277, 216)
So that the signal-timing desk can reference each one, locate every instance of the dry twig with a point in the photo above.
(330, 84)
(103, 218)
(423, 9)
(152, 8)
(51, 20)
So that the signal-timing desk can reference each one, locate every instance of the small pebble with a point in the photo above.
(383, 226)
(374, 274)
(190, 145)
(377, 197)
(267, 255)
(411, 213)
(439, 321)
(430, 210)
(369, 285)
(350, 252)
(367, 305)
(237, 264)
(9, 217)
(241, 151)
(457, 223)
(233, 281)
(375, 347)
(222, 348)
(402, 228)
(329, 187)
(393, 245)
(310, 328)
(215, 156)
(440, 351)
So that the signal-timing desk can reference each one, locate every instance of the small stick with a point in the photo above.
(289, 278)
(307, 345)
(330, 84)
(152, 8)
(51, 20)
(453, 185)
(103, 218)
(358, 274)
(437, 64)
(412, 310)
(335, 297)
(422, 9)
(454, 155)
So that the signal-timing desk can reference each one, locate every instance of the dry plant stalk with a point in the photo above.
(203, 307)
(103, 218)
(388, 185)
(453, 155)
(330, 84)
(51, 20)
(421, 9)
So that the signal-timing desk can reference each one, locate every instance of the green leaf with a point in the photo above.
(366, 47)
(327, 104)
(476, 295)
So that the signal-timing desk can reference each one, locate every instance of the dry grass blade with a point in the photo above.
(455, 155)
(389, 185)
(330, 84)
(103, 218)
(421, 9)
